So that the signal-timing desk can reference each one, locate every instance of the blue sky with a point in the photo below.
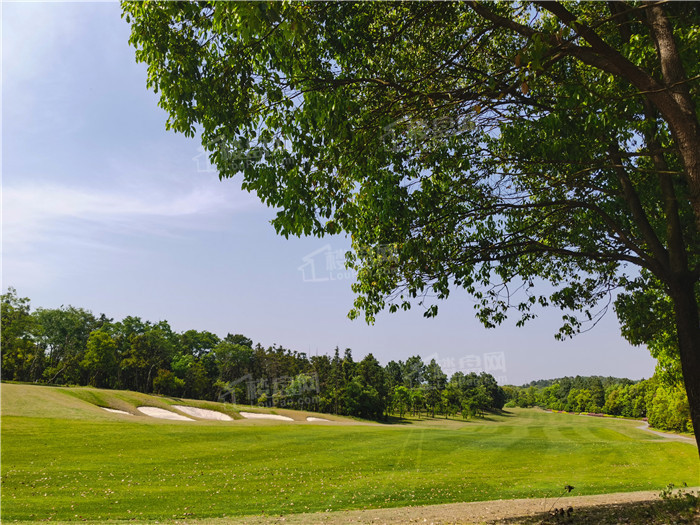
(105, 209)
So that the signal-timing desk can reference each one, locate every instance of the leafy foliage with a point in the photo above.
(459, 144)
(664, 404)
(481, 146)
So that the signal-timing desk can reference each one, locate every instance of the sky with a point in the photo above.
(104, 209)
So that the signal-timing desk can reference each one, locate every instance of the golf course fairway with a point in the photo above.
(65, 458)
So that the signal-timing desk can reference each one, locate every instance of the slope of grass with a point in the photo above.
(86, 403)
(64, 458)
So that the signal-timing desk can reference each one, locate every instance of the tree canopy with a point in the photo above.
(482, 146)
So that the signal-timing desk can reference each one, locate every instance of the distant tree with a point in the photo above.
(148, 353)
(413, 371)
(197, 343)
(301, 393)
(22, 359)
(362, 400)
(63, 333)
(337, 383)
(494, 392)
(469, 407)
(636, 405)
(239, 339)
(613, 403)
(166, 383)
(479, 402)
(451, 399)
(667, 409)
(435, 381)
(597, 394)
(417, 400)
(372, 374)
(401, 399)
(191, 370)
(348, 365)
(322, 367)
(394, 374)
(550, 397)
(100, 359)
(233, 360)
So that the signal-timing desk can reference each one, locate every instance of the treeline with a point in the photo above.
(71, 346)
(663, 403)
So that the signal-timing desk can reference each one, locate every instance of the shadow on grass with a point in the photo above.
(396, 420)
(683, 510)
(410, 419)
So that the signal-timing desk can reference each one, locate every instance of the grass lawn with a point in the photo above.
(64, 458)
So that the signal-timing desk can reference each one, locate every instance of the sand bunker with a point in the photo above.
(311, 418)
(114, 410)
(251, 415)
(203, 413)
(162, 414)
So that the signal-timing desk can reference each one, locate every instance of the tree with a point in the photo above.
(401, 399)
(668, 409)
(198, 343)
(167, 383)
(322, 367)
(435, 383)
(394, 374)
(337, 382)
(233, 360)
(100, 359)
(238, 339)
(301, 392)
(148, 353)
(483, 146)
(417, 400)
(63, 334)
(372, 374)
(597, 394)
(22, 359)
(413, 371)
(481, 400)
(451, 399)
(496, 395)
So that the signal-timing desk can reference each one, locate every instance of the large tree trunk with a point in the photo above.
(688, 327)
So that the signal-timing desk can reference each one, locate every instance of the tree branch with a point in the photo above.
(660, 261)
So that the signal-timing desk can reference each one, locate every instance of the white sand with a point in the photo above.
(311, 418)
(162, 414)
(116, 411)
(251, 415)
(203, 413)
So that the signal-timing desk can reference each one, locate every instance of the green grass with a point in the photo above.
(65, 458)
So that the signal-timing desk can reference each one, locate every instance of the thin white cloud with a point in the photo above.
(35, 213)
